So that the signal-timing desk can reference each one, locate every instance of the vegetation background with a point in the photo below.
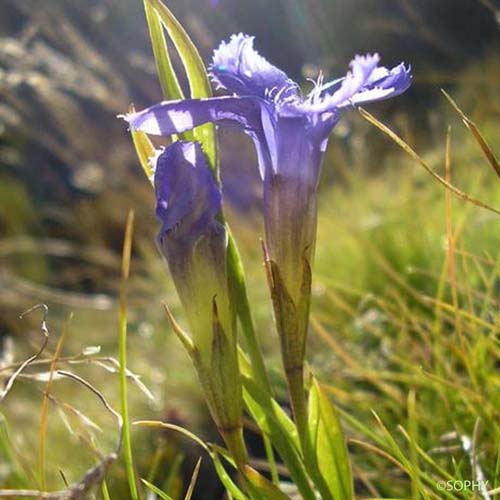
(407, 287)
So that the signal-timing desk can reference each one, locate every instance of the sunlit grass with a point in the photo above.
(395, 329)
(404, 337)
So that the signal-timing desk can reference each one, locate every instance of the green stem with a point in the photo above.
(237, 275)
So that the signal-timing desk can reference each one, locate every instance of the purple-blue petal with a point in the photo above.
(366, 82)
(362, 68)
(175, 117)
(239, 68)
(192, 240)
(187, 197)
(392, 83)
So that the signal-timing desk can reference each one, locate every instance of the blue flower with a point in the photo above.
(187, 198)
(191, 239)
(290, 132)
(194, 244)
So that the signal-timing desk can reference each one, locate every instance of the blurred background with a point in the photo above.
(68, 176)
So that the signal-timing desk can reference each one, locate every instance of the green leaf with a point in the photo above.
(199, 83)
(329, 444)
(169, 82)
(237, 281)
(156, 490)
(274, 422)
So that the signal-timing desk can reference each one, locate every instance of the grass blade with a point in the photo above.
(127, 445)
(105, 491)
(416, 486)
(194, 479)
(405, 147)
(45, 407)
(173, 472)
(223, 475)
(173, 427)
(156, 490)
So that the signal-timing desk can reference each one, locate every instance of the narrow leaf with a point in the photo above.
(168, 79)
(199, 83)
(169, 82)
(237, 280)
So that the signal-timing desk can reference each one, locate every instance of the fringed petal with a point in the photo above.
(239, 68)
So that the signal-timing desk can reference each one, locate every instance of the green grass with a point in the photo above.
(404, 338)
